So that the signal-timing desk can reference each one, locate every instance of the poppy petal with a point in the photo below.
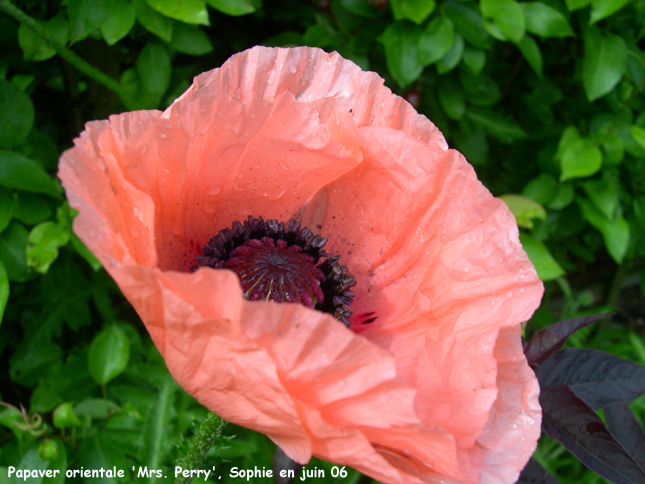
(430, 384)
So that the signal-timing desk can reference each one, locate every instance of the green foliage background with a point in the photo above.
(546, 98)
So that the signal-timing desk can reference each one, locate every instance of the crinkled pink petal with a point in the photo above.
(436, 388)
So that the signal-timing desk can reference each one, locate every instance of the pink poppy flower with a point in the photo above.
(429, 383)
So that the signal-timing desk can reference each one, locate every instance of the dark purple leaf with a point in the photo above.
(549, 340)
(282, 461)
(580, 430)
(534, 473)
(597, 377)
(624, 426)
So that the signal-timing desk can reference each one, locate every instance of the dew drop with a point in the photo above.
(274, 195)
(214, 190)
(271, 78)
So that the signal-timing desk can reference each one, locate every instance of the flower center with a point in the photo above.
(282, 263)
(276, 272)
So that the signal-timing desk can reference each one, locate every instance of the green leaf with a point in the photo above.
(449, 61)
(85, 16)
(524, 209)
(13, 420)
(474, 59)
(153, 21)
(494, 31)
(153, 66)
(541, 189)
(233, 7)
(481, 90)
(507, 15)
(23, 81)
(32, 462)
(65, 297)
(64, 416)
(7, 205)
(614, 232)
(85, 253)
(16, 115)
(635, 63)
(503, 128)
(155, 434)
(319, 35)
(632, 147)
(18, 171)
(601, 9)
(190, 40)
(545, 21)
(44, 241)
(41, 148)
(638, 134)
(569, 135)
(563, 198)
(435, 40)
(124, 430)
(97, 451)
(133, 95)
(119, 23)
(48, 449)
(109, 354)
(34, 47)
(362, 8)
(4, 290)
(188, 11)
(531, 53)
(96, 408)
(468, 22)
(474, 146)
(284, 39)
(452, 100)
(401, 53)
(603, 195)
(576, 4)
(545, 265)
(415, 10)
(33, 357)
(613, 148)
(604, 62)
(62, 382)
(54, 453)
(13, 244)
(31, 208)
(579, 159)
